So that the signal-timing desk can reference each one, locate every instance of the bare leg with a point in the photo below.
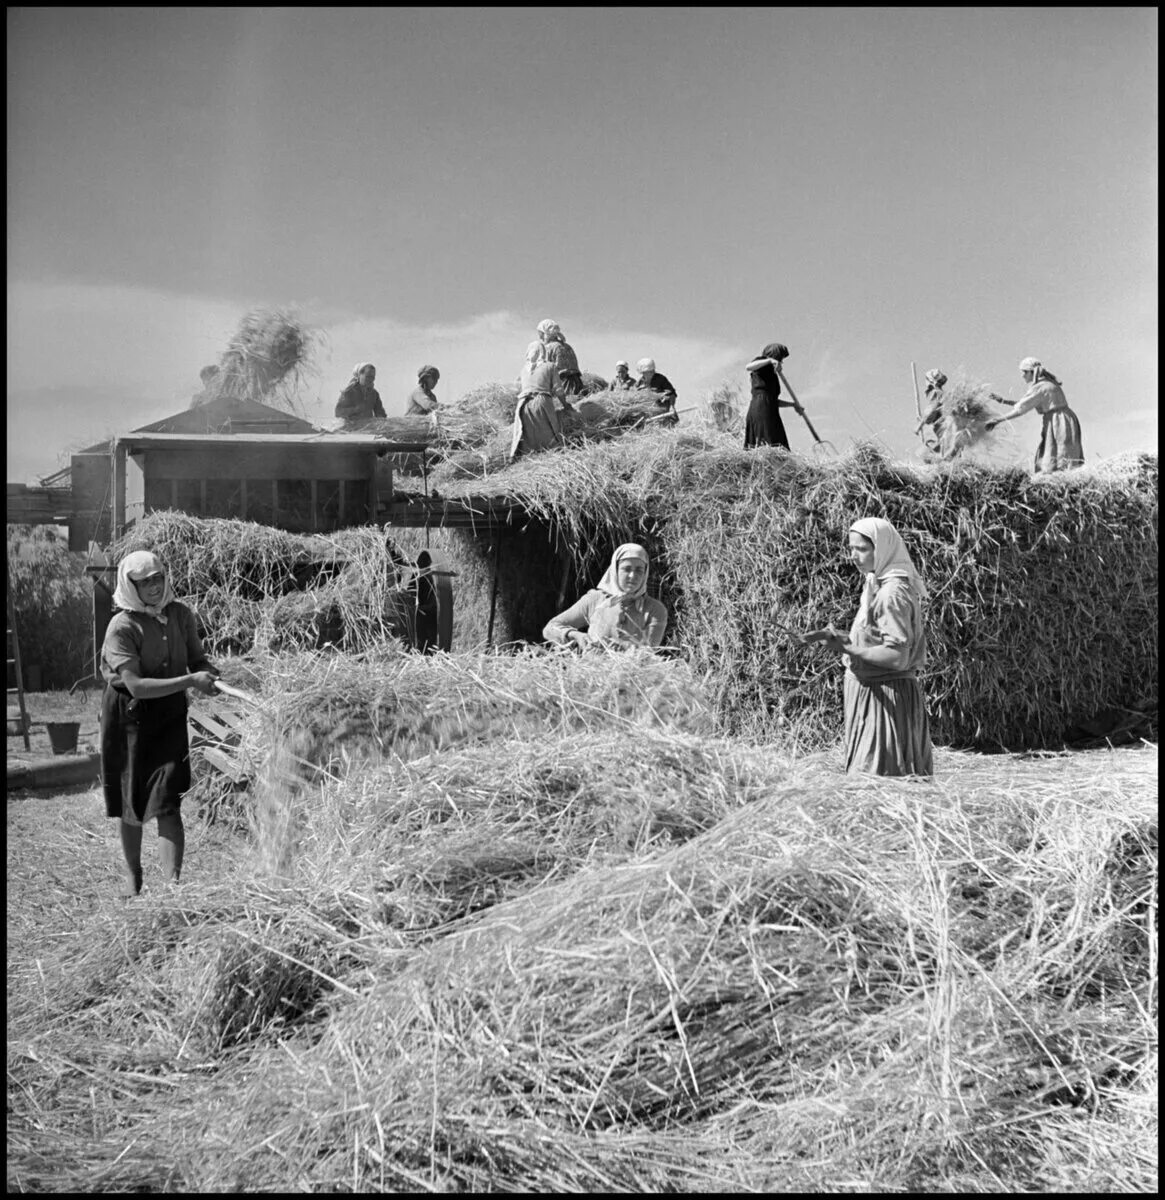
(171, 844)
(131, 847)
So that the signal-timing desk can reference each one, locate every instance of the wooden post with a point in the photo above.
(493, 595)
(119, 455)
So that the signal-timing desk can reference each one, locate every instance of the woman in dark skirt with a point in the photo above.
(763, 425)
(151, 654)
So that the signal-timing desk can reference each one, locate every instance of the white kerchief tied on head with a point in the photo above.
(891, 560)
(610, 581)
(139, 565)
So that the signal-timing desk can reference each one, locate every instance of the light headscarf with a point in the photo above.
(622, 363)
(610, 581)
(935, 378)
(357, 369)
(644, 365)
(550, 330)
(891, 560)
(1039, 371)
(134, 566)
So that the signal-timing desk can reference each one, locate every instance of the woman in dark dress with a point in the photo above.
(763, 425)
(360, 401)
(151, 654)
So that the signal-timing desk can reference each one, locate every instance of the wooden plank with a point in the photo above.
(221, 731)
(224, 763)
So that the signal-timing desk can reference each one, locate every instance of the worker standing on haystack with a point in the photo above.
(151, 654)
(651, 380)
(1060, 447)
(886, 727)
(763, 425)
(618, 613)
(422, 399)
(558, 351)
(360, 401)
(622, 381)
(537, 424)
(930, 427)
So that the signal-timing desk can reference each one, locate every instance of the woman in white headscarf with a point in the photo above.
(886, 727)
(537, 424)
(617, 613)
(151, 655)
(1060, 446)
(557, 351)
(360, 401)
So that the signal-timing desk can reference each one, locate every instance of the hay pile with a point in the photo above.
(255, 587)
(267, 360)
(474, 435)
(1043, 590)
(590, 947)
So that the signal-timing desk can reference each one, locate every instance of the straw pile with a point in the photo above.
(1043, 590)
(967, 406)
(267, 360)
(253, 586)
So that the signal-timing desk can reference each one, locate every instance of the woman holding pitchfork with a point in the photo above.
(151, 654)
(886, 727)
(763, 425)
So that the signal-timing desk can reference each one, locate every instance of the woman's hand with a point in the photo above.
(577, 638)
(203, 681)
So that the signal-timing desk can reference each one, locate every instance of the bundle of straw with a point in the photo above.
(267, 359)
(256, 586)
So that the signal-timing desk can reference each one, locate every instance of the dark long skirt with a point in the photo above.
(763, 425)
(145, 755)
(886, 727)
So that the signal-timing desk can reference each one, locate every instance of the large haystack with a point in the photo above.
(1043, 606)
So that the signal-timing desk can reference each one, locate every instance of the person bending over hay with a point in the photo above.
(763, 425)
(151, 654)
(886, 727)
(559, 353)
(618, 613)
(422, 399)
(651, 380)
(1060, 446)
(360, 401)
(537, 424)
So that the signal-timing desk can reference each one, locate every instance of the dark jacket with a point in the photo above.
(358, 403)
(660, 383)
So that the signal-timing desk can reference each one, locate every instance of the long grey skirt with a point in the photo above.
(886, 728)
(1061, 446)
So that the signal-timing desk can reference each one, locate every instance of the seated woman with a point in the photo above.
(619, 612)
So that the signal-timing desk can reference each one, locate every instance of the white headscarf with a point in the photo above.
(356, 371)
(644, 365)
(610, 581)
(891, 560)
(549, 330)
(134, 566)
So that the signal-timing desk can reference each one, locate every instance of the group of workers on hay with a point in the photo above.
(152, 653)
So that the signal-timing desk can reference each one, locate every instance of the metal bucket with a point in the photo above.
(63, 736)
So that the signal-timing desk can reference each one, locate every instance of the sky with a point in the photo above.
(957, 188)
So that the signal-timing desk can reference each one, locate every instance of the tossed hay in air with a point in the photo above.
(267, 359)
(254, 586)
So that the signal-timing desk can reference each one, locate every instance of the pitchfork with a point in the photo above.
(789, 388)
